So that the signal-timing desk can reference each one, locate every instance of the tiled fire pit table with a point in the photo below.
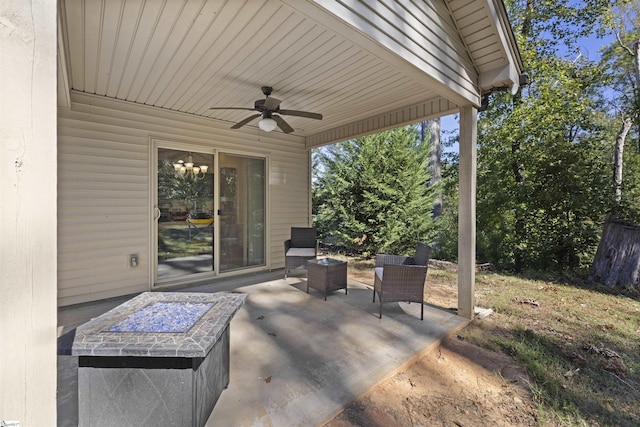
(160, 359)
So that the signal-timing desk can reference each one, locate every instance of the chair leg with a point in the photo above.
(380, 309)
(374, 295)
(422, 311)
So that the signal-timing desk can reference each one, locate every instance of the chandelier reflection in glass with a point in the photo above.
(189, 170)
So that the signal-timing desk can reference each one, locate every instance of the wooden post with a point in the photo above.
(28, 176)
(467, 211)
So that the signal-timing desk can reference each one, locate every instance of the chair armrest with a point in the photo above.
(382, 259)
(287, 245)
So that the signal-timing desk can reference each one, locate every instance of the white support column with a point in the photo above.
(28, 212)
(467, 211)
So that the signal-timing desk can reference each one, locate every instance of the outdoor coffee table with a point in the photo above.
(326, 275)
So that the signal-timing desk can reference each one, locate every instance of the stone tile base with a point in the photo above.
(152, 391)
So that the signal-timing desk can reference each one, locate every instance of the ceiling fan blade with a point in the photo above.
(245, 121)
(301, 114)
(282, 124)
(271, 103)
(232, 108)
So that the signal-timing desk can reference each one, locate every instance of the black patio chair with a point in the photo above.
(300, 248)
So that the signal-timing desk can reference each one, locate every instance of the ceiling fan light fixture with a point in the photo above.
(267, 124)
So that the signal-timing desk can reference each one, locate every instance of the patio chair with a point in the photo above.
(401, 278)
(301, 247)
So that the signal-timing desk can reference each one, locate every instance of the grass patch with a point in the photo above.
(579, 343)
(177, 240)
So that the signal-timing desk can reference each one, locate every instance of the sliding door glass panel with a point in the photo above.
(185, 227)
(242, 212)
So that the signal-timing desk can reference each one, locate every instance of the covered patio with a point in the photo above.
(98, 91)
(296, 360)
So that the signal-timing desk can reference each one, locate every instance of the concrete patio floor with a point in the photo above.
(296, 360)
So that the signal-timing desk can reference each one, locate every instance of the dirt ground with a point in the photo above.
(456, 384)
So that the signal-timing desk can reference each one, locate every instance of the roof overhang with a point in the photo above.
(365, 66)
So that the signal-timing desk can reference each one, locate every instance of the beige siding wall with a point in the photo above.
(104, 190)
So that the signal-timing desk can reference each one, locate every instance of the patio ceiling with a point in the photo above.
(190, 55)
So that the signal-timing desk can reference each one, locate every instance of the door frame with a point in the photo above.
(159, 142)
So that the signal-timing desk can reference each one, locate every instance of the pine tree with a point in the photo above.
(371, 194)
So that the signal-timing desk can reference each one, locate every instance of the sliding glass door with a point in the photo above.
(242, 212)
(185, 220)
(210, 214)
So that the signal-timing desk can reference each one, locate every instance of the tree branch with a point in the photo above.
(622, 45)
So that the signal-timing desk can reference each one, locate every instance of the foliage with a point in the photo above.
(551, 25)
(563, 197)
(618, 62)
(370, 194)
(446, 247)
(194, 193)
(544, 156)
(628, 209)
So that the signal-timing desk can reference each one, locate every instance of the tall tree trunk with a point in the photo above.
(636, 61)
(435, 164)
(618, 156)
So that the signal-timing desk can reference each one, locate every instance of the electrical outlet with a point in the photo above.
(133, 260)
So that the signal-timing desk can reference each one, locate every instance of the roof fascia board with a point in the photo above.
(510, 74)
(64, 87)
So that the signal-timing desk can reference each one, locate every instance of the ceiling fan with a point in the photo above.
(269, 109)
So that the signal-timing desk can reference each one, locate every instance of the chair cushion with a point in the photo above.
(301, 252)
(378, 272)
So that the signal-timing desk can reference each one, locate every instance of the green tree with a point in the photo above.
(543, 158)
(371, 194)
(193, 192)
(621, 62)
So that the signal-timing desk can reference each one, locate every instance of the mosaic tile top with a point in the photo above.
(159, 324)
(163, 317)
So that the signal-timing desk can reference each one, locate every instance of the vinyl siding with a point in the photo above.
(423, 111)
(422, 33)
(104, 190)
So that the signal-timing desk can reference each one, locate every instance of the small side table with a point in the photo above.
(327, 275)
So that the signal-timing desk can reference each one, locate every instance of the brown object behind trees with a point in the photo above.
(617, 261)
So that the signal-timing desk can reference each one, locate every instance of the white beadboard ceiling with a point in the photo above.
(190, 55)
